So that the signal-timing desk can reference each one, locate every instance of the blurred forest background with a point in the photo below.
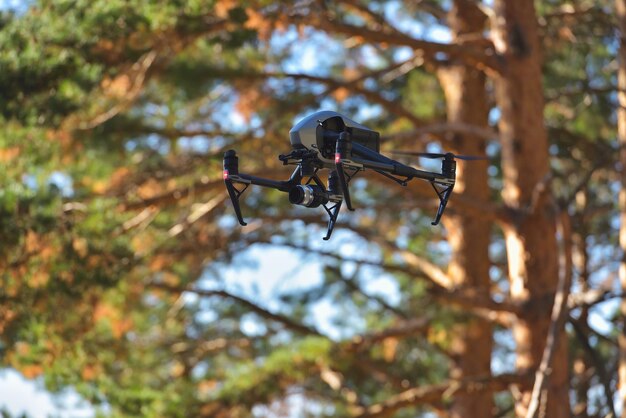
(116, 231)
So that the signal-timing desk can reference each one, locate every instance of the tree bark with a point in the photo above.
(621, 133)
(466, 101)
(531, 238)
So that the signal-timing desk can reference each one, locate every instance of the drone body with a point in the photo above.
(320, 131)
(327, 140)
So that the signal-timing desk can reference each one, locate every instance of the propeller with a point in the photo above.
(434, 155)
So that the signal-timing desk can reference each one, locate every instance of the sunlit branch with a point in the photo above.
(571, 12)
(478, 132)
(381, 373)
(435, 52)
(462, 204)
(175, 196)
(592, 297)
(434, 393)
(198, 212)
(394, 107)
(403, 329)
(139, 72)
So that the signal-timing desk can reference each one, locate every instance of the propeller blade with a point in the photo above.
(434, 155)
(470, 157)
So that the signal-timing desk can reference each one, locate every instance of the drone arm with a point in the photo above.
(231, 175)
(403, 170)
(376, 161)
(382, 164)
(283, 186)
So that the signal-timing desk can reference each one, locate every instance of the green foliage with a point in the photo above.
(422, 93)
(293, 363)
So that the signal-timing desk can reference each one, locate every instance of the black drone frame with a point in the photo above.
(350, 158)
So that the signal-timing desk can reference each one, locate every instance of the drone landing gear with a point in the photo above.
(332, 210)
(235, 194)
(344, 167)
(345, 173)
(318, 195)
(333, 213)
(448, 170)
(311, 194)
(443, 195)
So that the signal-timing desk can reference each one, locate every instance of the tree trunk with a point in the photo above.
(621, 133)
(531, 237)
(466, 101)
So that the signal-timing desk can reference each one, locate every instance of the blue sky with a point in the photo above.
(19, 395)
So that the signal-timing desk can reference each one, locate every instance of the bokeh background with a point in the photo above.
(128, 289)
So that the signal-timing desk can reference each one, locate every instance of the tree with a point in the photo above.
(467, 102)
(531, 237)
(116, 118)
(621, 126)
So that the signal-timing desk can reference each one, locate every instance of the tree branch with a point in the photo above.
(403, 329)
(435, 393)
(282, 319)
(484, 307)
(139, 75)
(351, 284)
(174, 196)
(392, 106)
(445, 128)
(432, 51)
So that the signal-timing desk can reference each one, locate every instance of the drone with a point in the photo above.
(327, 140)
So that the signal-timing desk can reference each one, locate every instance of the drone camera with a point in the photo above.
(309, 196)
